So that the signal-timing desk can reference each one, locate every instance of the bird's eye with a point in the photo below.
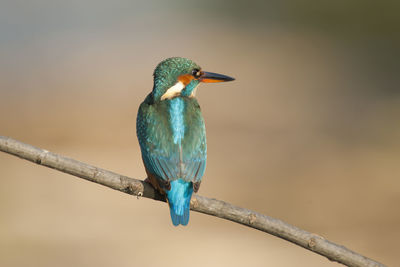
(196, 73)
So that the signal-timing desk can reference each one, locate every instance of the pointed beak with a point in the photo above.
(210, 77)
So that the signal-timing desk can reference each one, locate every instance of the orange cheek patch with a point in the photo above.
(185, 79)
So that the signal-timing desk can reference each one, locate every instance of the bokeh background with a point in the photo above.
(308, 133)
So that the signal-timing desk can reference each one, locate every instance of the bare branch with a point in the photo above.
(201, 204)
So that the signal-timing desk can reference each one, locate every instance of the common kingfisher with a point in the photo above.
(172, 135)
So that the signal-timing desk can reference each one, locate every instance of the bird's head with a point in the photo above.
(179, 76)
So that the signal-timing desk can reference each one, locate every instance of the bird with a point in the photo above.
(171, 133)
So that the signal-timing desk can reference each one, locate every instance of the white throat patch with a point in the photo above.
(173, 91)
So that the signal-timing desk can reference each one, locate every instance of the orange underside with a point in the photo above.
(153, 181)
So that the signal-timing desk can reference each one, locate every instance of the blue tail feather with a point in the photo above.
(179, 201)
(179, 219)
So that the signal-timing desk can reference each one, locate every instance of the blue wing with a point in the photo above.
(162, 156)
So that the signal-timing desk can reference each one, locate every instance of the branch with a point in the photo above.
(201, 204)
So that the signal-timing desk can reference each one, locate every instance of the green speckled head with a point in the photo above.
(167, 72)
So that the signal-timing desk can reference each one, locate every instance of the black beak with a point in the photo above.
(210, 77)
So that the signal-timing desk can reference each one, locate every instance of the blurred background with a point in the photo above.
(308, 133)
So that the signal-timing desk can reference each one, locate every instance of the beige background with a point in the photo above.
(308, 133)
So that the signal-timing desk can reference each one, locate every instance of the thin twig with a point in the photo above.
(201, 204)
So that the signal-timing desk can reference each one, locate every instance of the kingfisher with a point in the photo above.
(172, 135)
